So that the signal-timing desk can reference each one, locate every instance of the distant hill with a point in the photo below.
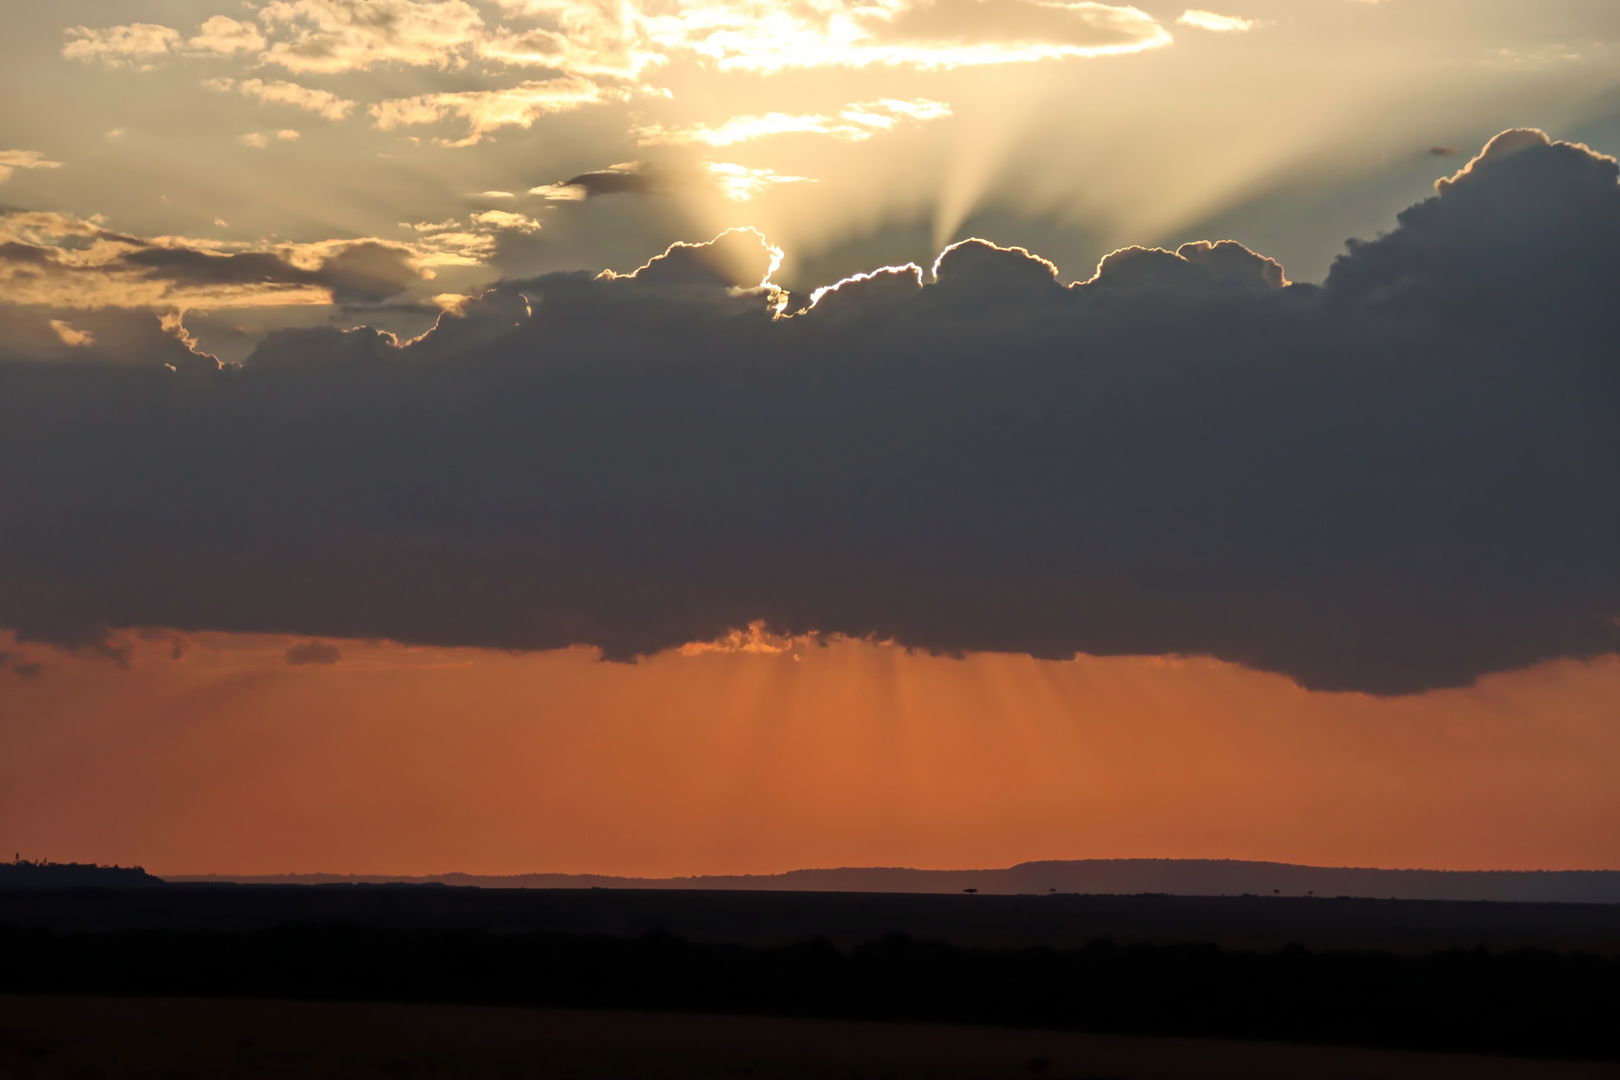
(1177, 877)
(49, 875)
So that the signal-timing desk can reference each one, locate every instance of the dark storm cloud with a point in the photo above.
(18, 664)
(364, 272)
(1398, 480)
(633, 178)
(628, 178)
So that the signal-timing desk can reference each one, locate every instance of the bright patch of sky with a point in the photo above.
(855, 133)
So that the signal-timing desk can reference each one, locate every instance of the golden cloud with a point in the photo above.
(11, 160)
(1221, 24)
(134, 44)
(225, 35)
(321, 102)
(624, 38)
(62, 261)
(487, 110)
(736, 182)
(350, 35)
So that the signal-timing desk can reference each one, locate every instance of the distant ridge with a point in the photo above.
(1177, 877)
(49, 875)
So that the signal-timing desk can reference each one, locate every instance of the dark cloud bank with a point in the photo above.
(1399, 480)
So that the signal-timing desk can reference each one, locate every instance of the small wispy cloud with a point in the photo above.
(737, 182)
(323, 103)
(225, 35)
(487, 110)
(506, 219)
(12, 160)
(1221, 24)
(741, 183)
(71, 337)
(855, 123)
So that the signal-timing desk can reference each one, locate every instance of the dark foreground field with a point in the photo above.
(1532, 1003)
(93, 1038)
(1533, 981)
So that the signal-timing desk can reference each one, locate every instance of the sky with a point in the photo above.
(719, 436)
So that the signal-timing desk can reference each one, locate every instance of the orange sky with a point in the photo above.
(417, 761)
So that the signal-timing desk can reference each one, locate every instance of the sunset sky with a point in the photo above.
(586, 435)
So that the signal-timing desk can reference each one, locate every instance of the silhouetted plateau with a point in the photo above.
(1180, 877)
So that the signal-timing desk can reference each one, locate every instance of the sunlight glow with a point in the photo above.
(755, 35)
(624, 39)
(856, 123)
(741, 183)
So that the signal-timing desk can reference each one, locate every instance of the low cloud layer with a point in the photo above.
(1398, 480)
(323, 102)
(60, 261)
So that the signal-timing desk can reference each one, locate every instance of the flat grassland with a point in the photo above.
(101, 1038)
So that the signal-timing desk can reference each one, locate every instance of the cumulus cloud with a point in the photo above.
(12, 160)
(1397, 480)
(322, 102)
(488, 110)
(329, 36)
(590, 39)
(225, 35)
(137, 44)
(856, 123)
